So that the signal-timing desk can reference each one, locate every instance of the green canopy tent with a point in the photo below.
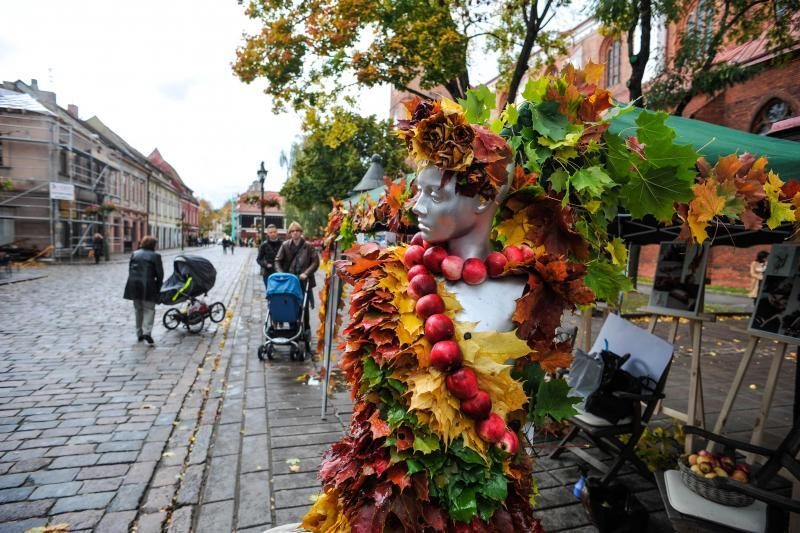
(712, 141)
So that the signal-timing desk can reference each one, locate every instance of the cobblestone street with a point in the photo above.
(103, 433)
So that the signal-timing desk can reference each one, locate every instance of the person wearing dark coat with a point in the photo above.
(299, 258)
(267, 253)
(145, 275)
(97, 247)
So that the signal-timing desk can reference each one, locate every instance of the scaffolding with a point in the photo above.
(39, 149)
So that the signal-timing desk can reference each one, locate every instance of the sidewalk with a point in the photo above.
(255, 433)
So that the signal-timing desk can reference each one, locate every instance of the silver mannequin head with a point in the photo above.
(444, 215)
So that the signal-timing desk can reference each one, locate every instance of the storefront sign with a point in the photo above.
(62, 191)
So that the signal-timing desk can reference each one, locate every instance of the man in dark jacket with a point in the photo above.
(145, 275)
(267, 253)
(97, 247)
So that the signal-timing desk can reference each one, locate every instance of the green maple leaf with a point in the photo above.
(618, 156)
(547, 120)
(535, 89)
(426, 444)
(652, 191)
(660, 150)
(593, 179)
(478, 105)
(511, 114)
(606, 280)
(552, 401)
(496, 487)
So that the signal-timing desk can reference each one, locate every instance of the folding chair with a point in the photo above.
(768, 513)
(651, 357)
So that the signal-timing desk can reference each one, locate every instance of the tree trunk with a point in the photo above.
(521, 67)
(639, 61)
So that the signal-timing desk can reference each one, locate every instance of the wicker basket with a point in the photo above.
(705, 488)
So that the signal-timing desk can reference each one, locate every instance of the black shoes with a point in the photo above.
(141, 338)
(149, 339)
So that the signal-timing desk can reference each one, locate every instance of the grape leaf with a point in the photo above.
(478, 105)
(593, 179)
(606, 280)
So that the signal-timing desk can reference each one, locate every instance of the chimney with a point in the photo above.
(72, 109)
(34, 84)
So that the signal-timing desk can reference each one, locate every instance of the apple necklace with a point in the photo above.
(423, 261)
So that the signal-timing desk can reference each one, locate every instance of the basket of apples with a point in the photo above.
(700, 470)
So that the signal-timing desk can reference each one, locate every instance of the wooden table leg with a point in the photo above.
(673, 330)
(586, 330)
(694, 414)
(652, 326)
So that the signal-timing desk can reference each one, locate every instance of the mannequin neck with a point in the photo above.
(475, 243)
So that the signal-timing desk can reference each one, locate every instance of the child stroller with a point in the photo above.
(287, 314)
(192, 278)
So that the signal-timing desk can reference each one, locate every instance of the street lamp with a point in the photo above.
(262, 175)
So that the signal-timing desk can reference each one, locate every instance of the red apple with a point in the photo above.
(445, 355)
(463, 383)
(704, 453)
(421, 285)
(509, 443)
(433, 257)
(743, 467)
(474, 271)
(413, 256)
(478, 407)
(438, 327)
(452, 266)
(527, 252)
(495, 264)
(513, 254)
(417, 240)
(416, 270)
(428, 305)
(492, 429)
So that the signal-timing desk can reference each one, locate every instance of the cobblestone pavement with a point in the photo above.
(89, 418)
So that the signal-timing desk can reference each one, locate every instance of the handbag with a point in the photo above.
(602, 402)
(585, 375)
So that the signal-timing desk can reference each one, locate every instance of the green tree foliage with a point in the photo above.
(334, 155)
(313, 219)
(710, 27)
(311, 51)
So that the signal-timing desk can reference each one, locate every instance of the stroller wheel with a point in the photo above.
(261, 353)
(216, 311)
(195, 322)
(269, 353)
(301, 352)
(172, 318)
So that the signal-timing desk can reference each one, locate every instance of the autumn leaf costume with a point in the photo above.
(420, 454)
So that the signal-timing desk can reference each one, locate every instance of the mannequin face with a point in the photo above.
(444, 214)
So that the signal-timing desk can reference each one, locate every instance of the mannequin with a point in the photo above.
(463, 223)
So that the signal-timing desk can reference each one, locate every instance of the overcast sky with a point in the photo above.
(158, 73)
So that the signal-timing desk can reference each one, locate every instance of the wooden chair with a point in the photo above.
(651, 357)
(768, 514)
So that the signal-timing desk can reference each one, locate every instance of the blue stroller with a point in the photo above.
(287, 314)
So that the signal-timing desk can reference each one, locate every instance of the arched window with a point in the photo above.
(700, 26)
(772, 112)
(613, 63)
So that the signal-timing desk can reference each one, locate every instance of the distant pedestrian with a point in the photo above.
(267, 253)
(232, 244)
(225, 245)
(97, 247)
(145, 275)
(757, 269)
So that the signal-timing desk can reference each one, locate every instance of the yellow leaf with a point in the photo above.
(593, 72)
(411, 323)
(513, 230)
(326, 515)
(616, 249)
(450, 107)
(703, 208)
(451, 305)
(778, 211)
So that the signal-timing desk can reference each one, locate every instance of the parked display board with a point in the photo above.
(680, 277)
(777, 309)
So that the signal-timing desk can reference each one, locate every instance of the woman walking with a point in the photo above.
(145, 275)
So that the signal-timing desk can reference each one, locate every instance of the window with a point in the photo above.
(613, 63)
(700, 26)
(773, 111)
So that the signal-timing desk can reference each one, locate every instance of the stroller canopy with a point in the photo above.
(283, 283)
(192, 276)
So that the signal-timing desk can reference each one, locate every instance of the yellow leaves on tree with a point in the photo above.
(706, 205)
(778, 211)
(326, 515)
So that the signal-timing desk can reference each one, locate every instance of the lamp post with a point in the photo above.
(262, 175)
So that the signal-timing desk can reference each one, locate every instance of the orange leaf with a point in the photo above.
(378, 427)
(397, 475)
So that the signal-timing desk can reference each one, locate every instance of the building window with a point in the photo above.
(700, 26)
(773, 111)
(613, 60)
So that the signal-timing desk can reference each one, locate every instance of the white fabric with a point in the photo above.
(594, 420)
(752, 518)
